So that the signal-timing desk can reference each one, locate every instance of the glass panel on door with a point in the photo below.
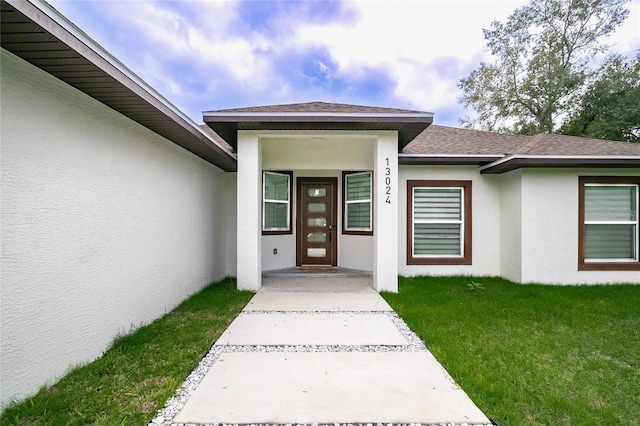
(316, 207)
(317, 192)
(317, 219)
(316, 252)
(317, 237)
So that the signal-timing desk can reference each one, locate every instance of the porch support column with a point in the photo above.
(385, 266)
(249, 216)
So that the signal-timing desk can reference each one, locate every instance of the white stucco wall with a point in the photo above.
(105, 226)
(316, 154)
(356, 251)
(286, 251)
(485, 226)
(316, 150)
(230, 230)
(525, 225)
(385, 213)
(249, 223)
(511, 226)
(550, 228)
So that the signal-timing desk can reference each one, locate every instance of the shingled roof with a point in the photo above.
(318, 116)
(438, 140)
(553, 144)
(318, 107)
(498, 152)
(449, 140)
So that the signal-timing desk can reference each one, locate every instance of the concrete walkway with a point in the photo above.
(324, 350)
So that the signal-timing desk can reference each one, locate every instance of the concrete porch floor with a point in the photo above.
(324, 350)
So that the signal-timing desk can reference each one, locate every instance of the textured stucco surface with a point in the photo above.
(385, 213)
(105, 226)
(485, 218)
(319, 154)
(305, 154)
(511, 225)
(525, 225)
(550, 228)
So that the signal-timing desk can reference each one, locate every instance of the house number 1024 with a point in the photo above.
(387, 181)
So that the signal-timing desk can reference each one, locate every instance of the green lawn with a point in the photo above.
(526, 354)
(140, 372)
(532, 354)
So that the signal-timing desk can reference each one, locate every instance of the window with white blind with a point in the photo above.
(439, 222)
(609, 234)
(357, 206)
(276, 202)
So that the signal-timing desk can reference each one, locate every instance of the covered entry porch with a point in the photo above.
(300, 186)
(317, 187)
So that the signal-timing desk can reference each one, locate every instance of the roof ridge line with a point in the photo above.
(316, 107)
(527, 146)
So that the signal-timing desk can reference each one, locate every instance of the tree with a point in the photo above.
(610, 107)
(542, 55)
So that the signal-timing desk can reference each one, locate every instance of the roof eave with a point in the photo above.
(514, 162)
(127, 94)
(447, 159)
(227, 124)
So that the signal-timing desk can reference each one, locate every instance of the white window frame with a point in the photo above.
(276, 230)
(368, 229)
(616, 222)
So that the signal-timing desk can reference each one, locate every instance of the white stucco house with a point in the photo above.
(116, 206)
(384, 190)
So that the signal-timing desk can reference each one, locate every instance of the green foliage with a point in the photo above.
(475, 286)
(140, 372)
(541, 61)
(610, 108)
(532, 354)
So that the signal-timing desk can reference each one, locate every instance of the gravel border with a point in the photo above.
(174, 405)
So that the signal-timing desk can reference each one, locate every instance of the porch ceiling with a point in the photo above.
(38, 34)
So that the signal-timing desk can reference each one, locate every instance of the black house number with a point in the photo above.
(387, 182)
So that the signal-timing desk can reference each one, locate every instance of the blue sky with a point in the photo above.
(208, 55)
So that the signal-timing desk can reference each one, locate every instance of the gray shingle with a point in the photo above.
(311, 107)
(441, 140)
(449, 140)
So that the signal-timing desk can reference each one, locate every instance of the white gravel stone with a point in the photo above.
(165, 416)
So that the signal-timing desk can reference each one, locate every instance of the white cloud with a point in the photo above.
(412, 41)
(194, 51)
(627, 38)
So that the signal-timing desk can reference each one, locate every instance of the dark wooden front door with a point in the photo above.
(317, 241)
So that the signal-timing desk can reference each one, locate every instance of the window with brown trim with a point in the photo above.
(609, 226)
(357, 205)
(438, 222)
(276, 203)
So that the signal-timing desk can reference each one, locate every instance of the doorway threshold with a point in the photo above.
(297, 272)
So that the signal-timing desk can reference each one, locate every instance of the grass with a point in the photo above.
(526, 354)
(532, 354)
(140, 372)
